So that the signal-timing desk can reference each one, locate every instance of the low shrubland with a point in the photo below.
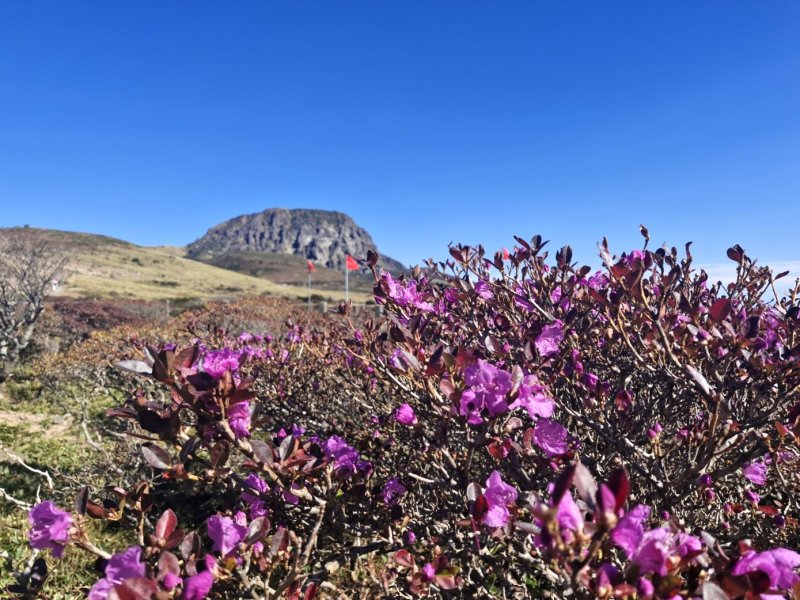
(512, 426)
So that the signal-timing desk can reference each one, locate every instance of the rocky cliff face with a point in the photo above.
(326, 237)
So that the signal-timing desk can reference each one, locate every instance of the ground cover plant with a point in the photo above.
(512, 426)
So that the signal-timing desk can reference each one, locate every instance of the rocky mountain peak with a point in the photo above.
(324, 236)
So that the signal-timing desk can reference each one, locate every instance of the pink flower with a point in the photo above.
(549, 340)
(534, 399)
(629, 531)
(49, 527)
(392, 490)
(405, 295)
(756, 472)
(198, 586)
(654, 431)
(484, 290)
(121, 566)
(171, 580)
(550, 437)
(239, 418)
(225, 533)
(346, 459)
(597, 281)
(652, 551)
(778, 564)
(488, 388)
(217, 362)
(258, 507)
(499, 495)
(568, 514)
(405, 415)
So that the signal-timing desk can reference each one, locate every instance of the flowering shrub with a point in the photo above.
(509, 428)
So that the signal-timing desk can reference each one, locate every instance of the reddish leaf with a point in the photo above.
(620, 485)
(720, 309)
(479, 508)
(263, 451)
(219, 454)
(257, 530)
(166, 524)
(312, 588)
(447, 579)
(138, 588)
(404, 559)
(168, 563)
(189, 545)
(156, 456)
(585, 484)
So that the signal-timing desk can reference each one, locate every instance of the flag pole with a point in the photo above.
(309, 289)
(346, 282)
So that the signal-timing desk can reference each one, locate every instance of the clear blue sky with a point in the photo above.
(427, 121)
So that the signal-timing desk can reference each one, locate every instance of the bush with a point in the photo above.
(510, 427)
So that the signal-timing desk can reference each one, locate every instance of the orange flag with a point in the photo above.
(352, 265)
(310, 266)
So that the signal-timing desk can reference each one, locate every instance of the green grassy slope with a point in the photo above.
(105, 267)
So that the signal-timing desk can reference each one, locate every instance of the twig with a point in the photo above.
(21, 503)
(15, 457)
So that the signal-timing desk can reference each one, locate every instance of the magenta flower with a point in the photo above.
(405, 295)
(756, 472)
(258, 507)
(499, 496)
(121, 566)
(654, 431)
(652, 551)
(484, 290)
(630, 529)
(778, 564)
(217, 362)
(488, 388)
(198, 586)
(171, 580)
(752, 497)
(225, 533)
(239, 418)
(49, 527)
(597, 281)
(534, 399)
(392, 491)
(405, 415)
(346, 459)
(549, 340)
(470, 407)
(569, 516)
(550, 437)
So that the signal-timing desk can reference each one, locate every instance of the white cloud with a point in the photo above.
(726, 272)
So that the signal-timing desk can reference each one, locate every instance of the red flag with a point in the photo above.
(310, 266)
(352, 265)
(506, 255)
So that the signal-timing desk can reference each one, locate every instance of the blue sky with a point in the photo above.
(427, 121)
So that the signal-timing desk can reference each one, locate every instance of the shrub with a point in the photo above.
(510, 427)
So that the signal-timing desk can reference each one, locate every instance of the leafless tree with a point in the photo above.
(29, 267)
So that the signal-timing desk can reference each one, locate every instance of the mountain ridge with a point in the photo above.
(322, 236)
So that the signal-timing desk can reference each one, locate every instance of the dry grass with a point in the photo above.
(108, 268)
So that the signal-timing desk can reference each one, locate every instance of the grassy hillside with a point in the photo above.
(109, 268)
(288, 269)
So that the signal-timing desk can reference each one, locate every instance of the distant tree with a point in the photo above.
(31, 267)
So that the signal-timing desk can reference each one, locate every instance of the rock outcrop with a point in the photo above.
(326, 237)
